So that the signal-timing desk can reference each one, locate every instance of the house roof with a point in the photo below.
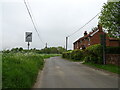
(92, 33)
(88, 35)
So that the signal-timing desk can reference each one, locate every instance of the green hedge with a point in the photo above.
(67, 55)
(74, 55)
(93, 54)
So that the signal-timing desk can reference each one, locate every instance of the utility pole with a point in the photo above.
(104, 48)
(46, 45)
(103, 43)
(66, 42)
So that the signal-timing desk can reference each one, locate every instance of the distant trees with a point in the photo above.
(110, 18)
(53, 50)
(50, 50)
(17, 49)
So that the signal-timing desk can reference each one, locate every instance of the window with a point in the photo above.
(80, 41)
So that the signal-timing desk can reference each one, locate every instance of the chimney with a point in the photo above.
(85, 33)
(100, 27)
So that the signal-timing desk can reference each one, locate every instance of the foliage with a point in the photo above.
(77, 55)
(20, 69)
(53, 50)
(67, 55)
(50, 50)
(93, 54)
(74, 55)
(110, 18)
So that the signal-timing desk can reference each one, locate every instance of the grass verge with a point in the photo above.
(20, 69)
(108, 67)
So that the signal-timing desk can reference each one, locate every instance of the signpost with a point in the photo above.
(28, 38)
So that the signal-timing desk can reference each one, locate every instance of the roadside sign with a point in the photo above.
(28, 37)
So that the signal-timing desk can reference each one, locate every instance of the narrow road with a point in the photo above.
(60, 73)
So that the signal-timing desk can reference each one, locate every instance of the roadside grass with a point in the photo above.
(19, 70)
(107, 67)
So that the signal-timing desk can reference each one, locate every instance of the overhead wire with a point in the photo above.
(83, 25)
(32, 19)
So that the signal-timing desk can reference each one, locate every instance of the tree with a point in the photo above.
(110, 18)
(20, 49)
(61, 49)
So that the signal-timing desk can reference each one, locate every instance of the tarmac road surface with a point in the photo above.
(60, 73)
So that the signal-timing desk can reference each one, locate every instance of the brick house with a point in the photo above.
(94, 38)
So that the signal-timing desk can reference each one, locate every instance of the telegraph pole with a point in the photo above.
(104, 48)
(66, 42)
(46, 45)
(103, 43)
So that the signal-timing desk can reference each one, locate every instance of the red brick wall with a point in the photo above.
(95, 39)
(113, 59)
(114, 43)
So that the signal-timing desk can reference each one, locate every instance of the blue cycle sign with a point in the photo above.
(28, 37)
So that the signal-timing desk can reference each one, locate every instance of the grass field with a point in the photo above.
(20, 69)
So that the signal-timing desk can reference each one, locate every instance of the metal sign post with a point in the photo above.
(28, 45)
(28, 38)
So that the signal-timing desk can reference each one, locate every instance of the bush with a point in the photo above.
(74, 55)
(77, 55)
(93, 54)
(67, 55)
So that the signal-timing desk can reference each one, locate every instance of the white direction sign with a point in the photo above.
(28, 37)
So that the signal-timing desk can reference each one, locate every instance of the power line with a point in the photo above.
(83, 25)
(33, 21)
(79, 29)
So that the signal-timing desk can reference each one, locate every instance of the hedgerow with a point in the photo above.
(74, 55)
(93, 54)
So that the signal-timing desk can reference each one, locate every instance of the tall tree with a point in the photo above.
(110, 18)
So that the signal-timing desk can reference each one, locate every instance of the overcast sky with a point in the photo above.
(55, 19)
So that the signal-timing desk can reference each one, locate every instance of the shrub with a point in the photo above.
(67, 55)
(77, 54)
(74, 55)
(94, 54)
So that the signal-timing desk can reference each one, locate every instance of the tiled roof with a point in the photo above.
(91, 34)
(88, 35)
